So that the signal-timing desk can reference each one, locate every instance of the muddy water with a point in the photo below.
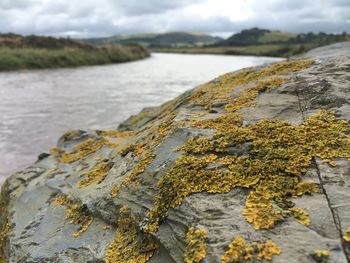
(36, 107)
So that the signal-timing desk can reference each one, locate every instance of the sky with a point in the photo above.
(91, 18)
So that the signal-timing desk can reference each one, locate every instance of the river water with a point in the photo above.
(36, 107)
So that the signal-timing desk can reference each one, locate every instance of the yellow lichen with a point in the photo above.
(275, 158)
(321, 256)
(260, 212)
(239, 250)
(4, 230)
(221, 90)
(279, 154)
(95, 175)
(198, 145)
(55, 150)
(300, 215)
(129, 246)
(115, 190)
(198, 115)
(146, 150)
(115, 134)
(330, 162)
(250, 94)
(196, 246)
(307, 188)
(77, 214)
(346, 235)
(137, 118)
(86, 148)
(267, 250)
(68, 136)
(131, 178)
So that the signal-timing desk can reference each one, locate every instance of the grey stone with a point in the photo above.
(40, 233)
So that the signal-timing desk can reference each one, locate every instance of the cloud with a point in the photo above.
(137, 7)
(108, 17)
(13, 4)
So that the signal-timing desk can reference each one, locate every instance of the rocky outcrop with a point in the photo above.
(252, 166)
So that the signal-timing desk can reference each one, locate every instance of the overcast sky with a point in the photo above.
(94, 18)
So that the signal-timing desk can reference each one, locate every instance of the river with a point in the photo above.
(36, 107)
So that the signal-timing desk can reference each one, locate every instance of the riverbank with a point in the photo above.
(18, 53)
(270, 50)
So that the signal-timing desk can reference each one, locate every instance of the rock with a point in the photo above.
(251, 166)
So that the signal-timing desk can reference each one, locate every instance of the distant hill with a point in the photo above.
(166, 40)
(256, 36)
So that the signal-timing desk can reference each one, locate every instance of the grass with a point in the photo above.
(272, 50)
(43, 58)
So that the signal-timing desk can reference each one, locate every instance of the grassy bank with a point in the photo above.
(270, 50)
(17, 52)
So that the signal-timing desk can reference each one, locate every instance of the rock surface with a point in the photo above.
(132, 195)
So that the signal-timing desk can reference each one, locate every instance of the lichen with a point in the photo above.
(77, 214)
(86, 148)
(196, 246)
(96, 174)
(55, 151)
(300, 215)
(221, 90)
(115, 134)
(4, 230)
(5, 223)
(321, 256)
(137, 118)
(249, 95)
(70, 135)
(135, 148)
(277, 154)
(130, 246)
(274, 155)
(144, 150)
(346, 235)
(239, 251)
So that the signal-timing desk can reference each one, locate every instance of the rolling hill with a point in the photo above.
(256, 36)
(166, 40)
(263, 42)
